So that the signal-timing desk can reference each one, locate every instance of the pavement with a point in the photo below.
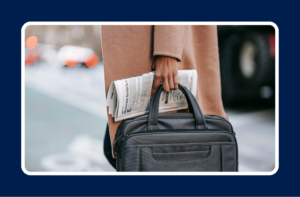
(65, 121)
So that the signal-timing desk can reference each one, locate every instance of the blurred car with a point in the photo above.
(41, 53)
(70, 56)
(247, 63)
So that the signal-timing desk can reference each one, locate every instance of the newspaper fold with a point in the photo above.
(130, 97)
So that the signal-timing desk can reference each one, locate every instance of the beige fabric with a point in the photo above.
(129, 51)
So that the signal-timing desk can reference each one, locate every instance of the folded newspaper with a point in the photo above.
(130, 97)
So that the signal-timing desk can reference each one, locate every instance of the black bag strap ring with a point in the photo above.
(192, 103)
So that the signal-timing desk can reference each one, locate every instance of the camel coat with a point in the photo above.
(129, 51)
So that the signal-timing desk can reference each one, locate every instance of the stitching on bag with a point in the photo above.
(182, 145)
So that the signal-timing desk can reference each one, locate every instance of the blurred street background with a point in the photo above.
(65, 112)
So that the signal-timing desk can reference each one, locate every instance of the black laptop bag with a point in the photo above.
(176, 141)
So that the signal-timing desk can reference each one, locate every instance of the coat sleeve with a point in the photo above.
(169, 40)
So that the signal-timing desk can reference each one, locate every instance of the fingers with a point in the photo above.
(166, 84)
(175, 81)
(166, 71)
(171, 83)
(156, 82)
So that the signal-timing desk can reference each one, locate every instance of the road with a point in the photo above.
(65, 121)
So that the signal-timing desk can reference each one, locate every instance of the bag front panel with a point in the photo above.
(180, 157)
(179, 152)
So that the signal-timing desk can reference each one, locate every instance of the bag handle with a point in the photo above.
(192, 103)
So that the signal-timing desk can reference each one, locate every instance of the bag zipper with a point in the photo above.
(166, 117)
(166, 132)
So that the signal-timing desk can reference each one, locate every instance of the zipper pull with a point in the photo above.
(116, 150)
(124, 137)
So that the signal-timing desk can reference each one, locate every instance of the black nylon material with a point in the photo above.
(175, 141)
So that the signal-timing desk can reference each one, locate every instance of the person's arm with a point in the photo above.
(167, 55)
(169, 41)
(166, 69)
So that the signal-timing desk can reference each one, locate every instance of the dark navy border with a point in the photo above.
(14, 182)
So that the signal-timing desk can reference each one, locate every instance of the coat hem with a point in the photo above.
(168, 54)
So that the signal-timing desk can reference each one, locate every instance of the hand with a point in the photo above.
(166, 71)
